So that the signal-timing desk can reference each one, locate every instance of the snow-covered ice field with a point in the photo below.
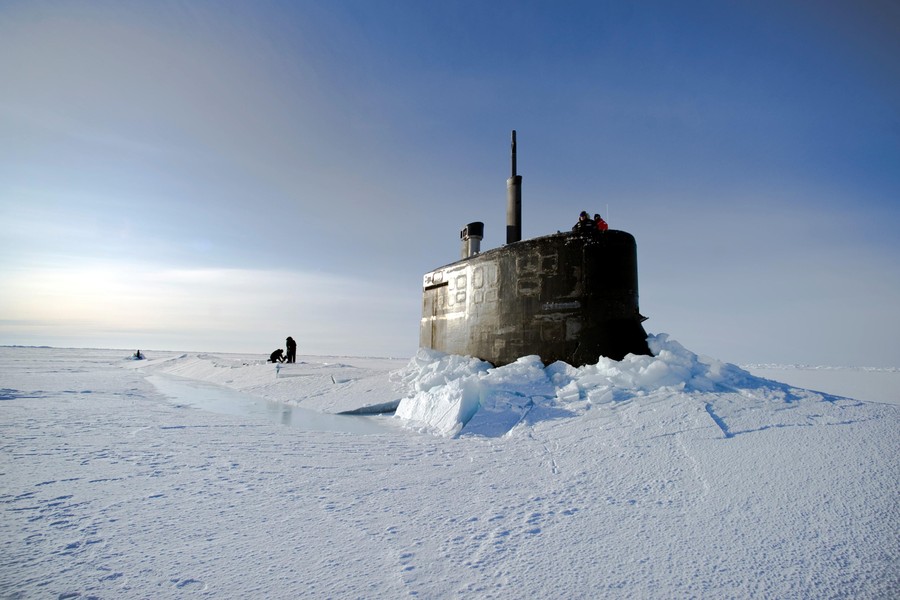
(658, 477)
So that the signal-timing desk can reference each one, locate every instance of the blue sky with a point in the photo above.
(219, 175)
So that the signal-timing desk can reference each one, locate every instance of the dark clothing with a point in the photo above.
(584, 225)
(277, 356)
(291, 350)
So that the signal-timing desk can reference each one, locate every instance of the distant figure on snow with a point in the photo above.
(277, 356)
(291, 350)
(600, 223)
(584, 225)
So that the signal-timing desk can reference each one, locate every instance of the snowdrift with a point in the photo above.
(456, 396)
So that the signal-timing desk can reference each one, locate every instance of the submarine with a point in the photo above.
(570, 297)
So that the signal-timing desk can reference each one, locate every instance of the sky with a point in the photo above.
(220, 175)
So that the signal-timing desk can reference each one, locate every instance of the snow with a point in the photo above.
(668, 476)
(872, 384)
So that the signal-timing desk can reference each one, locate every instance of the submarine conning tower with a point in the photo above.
(566, 296)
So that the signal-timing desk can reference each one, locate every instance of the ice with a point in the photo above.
(668, 476)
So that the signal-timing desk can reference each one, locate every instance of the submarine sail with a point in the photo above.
(567, 296)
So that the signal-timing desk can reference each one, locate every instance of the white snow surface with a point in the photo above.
(673, 476)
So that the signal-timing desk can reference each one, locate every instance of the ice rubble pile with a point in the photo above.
(454, 395)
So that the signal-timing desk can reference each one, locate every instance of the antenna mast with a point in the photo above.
(513, 200)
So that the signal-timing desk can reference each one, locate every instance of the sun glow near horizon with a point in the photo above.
(133, 301)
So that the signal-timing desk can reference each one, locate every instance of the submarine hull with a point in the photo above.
(562, 297)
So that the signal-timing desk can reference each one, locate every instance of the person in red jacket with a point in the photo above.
(601, 224)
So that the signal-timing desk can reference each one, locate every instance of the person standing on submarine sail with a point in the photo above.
(584, 224)
(291, 350)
